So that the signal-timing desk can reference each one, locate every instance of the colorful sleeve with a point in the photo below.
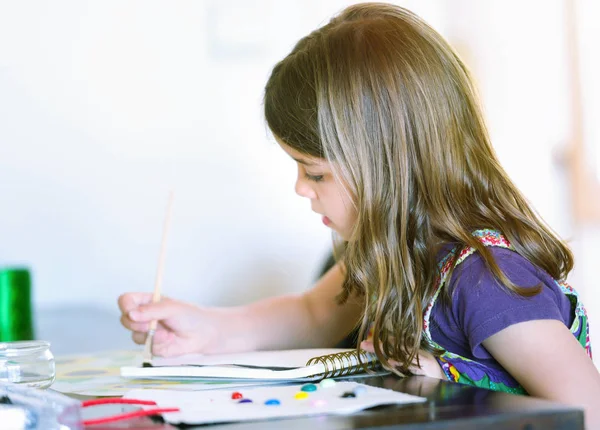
(464, 371)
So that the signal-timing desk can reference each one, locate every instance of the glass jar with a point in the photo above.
(27, 362)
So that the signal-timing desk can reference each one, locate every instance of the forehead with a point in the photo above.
(306, 160)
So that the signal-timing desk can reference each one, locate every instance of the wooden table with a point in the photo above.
(449, 406)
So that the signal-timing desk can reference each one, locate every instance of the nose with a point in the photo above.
(303, 187)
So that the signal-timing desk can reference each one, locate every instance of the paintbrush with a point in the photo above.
(147, 355)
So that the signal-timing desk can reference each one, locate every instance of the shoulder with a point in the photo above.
(513, 264)
(483, 306)
(474, 277)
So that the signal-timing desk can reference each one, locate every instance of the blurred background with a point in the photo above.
(106, 105)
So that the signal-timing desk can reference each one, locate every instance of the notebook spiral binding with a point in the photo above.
(345, 363)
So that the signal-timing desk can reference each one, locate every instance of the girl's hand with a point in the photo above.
(429, 365)
(182, 327)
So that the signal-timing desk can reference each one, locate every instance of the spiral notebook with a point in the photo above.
(284, 365)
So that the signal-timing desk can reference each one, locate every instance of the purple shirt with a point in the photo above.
(481, 306)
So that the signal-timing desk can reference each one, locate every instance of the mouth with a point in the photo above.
(326, 221)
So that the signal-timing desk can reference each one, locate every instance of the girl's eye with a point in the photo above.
(314, 178)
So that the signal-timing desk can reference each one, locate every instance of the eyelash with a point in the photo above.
(314, 178)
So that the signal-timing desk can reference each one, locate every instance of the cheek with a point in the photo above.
(347, 211)
(351, 217)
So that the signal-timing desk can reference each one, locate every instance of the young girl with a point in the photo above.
(443, 258)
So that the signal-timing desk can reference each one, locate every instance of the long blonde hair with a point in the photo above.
(386, 100)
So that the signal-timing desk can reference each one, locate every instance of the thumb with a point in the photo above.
(130, 301)
(155, 311)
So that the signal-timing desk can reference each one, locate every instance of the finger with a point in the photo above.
(156, 311)
(139, 338)
(161, 337)
(416, 370)
(160, 343)
(129, 301)
(133, 325)
(429, 365)
(367, 345)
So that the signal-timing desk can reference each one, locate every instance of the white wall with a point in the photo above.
(106, 105)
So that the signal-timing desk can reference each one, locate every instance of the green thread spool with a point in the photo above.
(16, 320)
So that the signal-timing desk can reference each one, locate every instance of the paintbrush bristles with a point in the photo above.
(147, 355)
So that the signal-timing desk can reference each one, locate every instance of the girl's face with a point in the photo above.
(327, 196)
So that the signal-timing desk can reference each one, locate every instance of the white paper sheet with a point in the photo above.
(217, 406)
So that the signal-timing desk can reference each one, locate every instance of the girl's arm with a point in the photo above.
(311, 319)
(549, 363)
